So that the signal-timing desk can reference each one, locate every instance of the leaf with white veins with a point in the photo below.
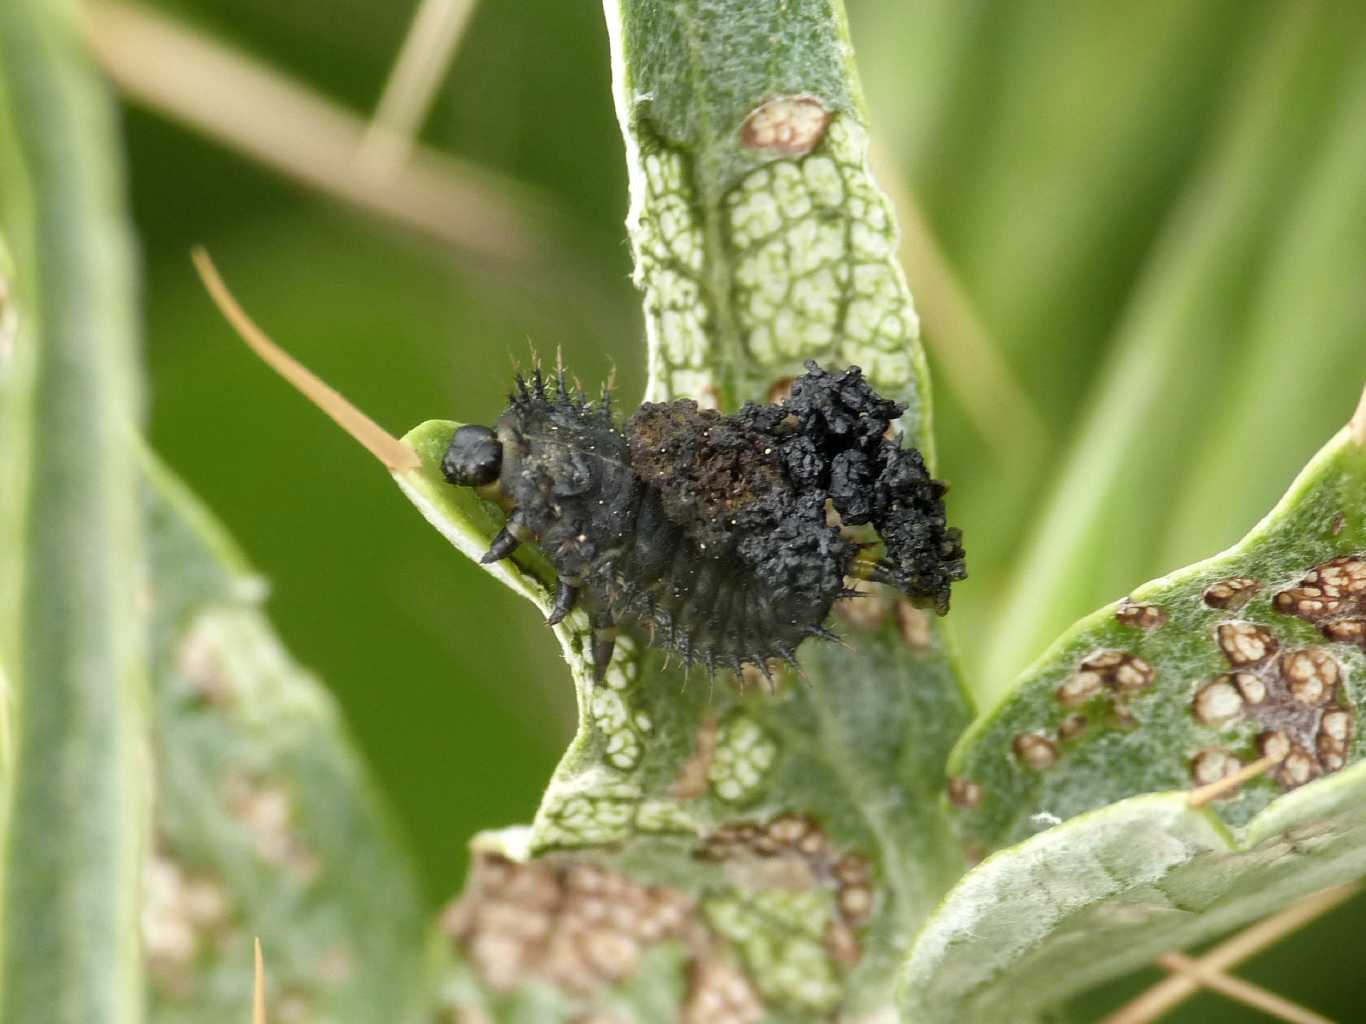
(794, 841)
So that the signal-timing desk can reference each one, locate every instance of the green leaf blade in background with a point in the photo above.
(1183, 330)
(73, 841)
(1101, 879)
(266, 823)
(16, 382)
(1304, 343)
(260, 820)
(1047, 154)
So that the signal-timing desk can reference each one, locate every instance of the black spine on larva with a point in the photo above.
(566, 474)
(712, 531)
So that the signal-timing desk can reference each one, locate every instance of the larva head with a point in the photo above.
(474, 458)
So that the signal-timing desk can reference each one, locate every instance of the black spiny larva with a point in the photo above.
(713, 532)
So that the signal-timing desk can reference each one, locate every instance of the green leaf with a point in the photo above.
(266, 823)
(1192, 343)
(760, 237)
(1191, 677)
(1113, 889)
(16, 382)
(790, 842)
(263, 822)
(662, 770)
(70, 633)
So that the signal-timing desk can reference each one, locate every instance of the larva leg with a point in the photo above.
(506, 542)
(604, 642)
(564, 602)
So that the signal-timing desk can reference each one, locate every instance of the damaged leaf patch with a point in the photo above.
(1251, 660)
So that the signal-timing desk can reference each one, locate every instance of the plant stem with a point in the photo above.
(72, 849)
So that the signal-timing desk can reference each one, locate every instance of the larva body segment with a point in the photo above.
(723, 537)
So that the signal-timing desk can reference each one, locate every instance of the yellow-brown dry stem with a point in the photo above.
(258, 995)
(428, 49)
(1203, 795)
(396, 456)
(1167, 993)
(1241, 991)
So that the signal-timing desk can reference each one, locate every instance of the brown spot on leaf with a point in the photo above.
(573, 924)
(1106, 671)
(1250, 686)
(1297, 766)
(1218, 702)
(1035, 750)
(1079, 687)
(785, 835)
(840, 944)
(1331, 596)
(1273, 743)
(719, 994)
(1209, 766)
(182, 915)
(1296, 698)
(1311, 674)
(1120, 669)
(1231, 594)
(1113, 675)
(1336, 731)
(792, 851)
(1140, 616)
(1347, 631)
(691, 782)
(964, 793)
(1072, 727)
(1245, 644)
(788, 830)
(266, 812)
(856, 904)
(200, 661)
(788, 125)
(1297, 769)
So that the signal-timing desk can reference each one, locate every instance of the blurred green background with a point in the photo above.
(1156, 210)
